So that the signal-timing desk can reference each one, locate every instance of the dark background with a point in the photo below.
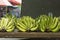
(36, 7)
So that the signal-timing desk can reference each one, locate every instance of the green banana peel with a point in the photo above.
(21, 29)
(55, 22)
(56, 29)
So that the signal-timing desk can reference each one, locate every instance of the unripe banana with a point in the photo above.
(10, 30)
(21, 29)
(55, 30)
(34, 28)
(9, 27)
(42, 29)
(23, 20)
(43, 22)
(10, 22)
(6, 21)
(43, 25)
(2, 21)
(55, 21)
(21, 25)
(31, 26)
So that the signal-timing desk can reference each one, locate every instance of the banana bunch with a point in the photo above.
(10, 25)
(42, 22)
(54, 25)
(26, 23)
(7, 23)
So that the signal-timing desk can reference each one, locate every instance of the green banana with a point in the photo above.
(9, 23)
(32, 29)
(21, 29)
(56, 29)
(9, 27)
(42, 22)
(10, 30)
(2, 21)
(21, 25)
(6, 21)
(42, 29)
(54, 23)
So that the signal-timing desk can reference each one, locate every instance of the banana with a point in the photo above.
(42, 22)
(2, 21)
(55, 21)
(31, 25)
(9, 27)
(43, 25)
(24, 22)
(11, 21)
(42, 29)
(21, 29)
(6, 21)
(55, 30)
(27, 20)
(10, 30)
(21, 25)
(34, 28)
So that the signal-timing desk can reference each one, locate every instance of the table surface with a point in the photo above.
(29, 35)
